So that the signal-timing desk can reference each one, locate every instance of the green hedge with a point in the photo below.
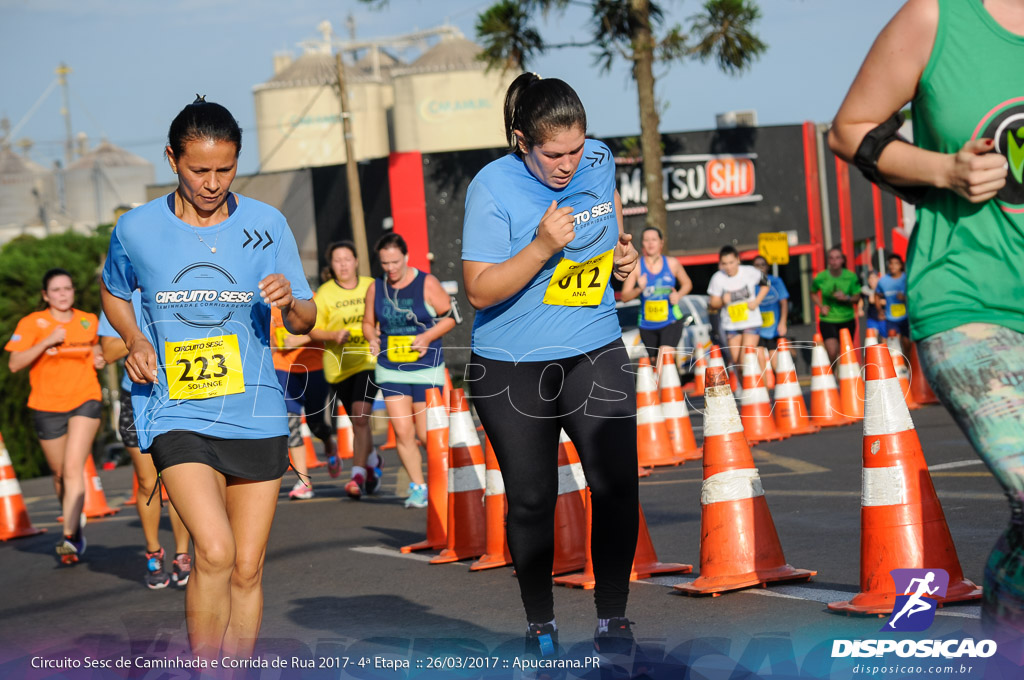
(23, 261)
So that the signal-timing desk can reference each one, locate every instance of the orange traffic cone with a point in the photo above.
(870, 338)
(307, 440)
(446, 394)
(390, 443)
(467, 522)
(677, 417)
(584, 579)
(851, 386)
(653, 445)
(768, 372)
(570, 510)
(95, 499)
(699, 368)
(495, 507)
(739, 546)
(919, 387)
(437, 475)
(902, 524)
(343, 424)
(826, 410)
(896, 354)
(756, 409)
(790, 409)
(645, 560)
(14, 521)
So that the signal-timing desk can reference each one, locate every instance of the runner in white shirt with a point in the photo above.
(734, 290)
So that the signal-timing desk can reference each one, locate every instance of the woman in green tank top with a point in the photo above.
(958, 63)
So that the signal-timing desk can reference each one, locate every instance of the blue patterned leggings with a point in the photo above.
(977, 371)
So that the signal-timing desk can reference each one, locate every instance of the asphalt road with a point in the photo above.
(338, 590)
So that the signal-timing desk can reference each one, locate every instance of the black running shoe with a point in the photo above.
(156, 577)
(541, 640)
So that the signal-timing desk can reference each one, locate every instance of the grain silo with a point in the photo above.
(102, 180)
(445, 101)
(298, 122)
(27, 193)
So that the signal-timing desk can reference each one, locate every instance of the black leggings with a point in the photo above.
(523, 406)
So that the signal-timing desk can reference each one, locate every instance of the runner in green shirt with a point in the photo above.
(836, 292)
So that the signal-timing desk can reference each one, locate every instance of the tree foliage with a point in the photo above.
(23, 261)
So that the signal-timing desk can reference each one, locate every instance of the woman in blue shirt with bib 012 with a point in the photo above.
(406, 314)
(655, 283)
(208, 405)
(541, 239)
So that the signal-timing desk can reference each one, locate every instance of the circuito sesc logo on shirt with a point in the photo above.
(1005, 125)
(204, 295)
(592, 218)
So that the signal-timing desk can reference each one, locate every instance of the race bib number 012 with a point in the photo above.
(200, 369)
(579, 284)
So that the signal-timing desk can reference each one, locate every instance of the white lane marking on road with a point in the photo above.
(955, 464)
(809, 594)
(391, 552)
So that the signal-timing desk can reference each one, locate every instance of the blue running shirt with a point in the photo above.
(504, 206)
(205, 318)
(771, 306)
(655, 310)
(895, 309)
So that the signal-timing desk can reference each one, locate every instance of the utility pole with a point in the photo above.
(62, 71)
(355, 196)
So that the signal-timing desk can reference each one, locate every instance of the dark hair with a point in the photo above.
(654, 229)
(840, 251)
(334, 245)
(391, 240)
(54, 273)
(202, 120)
(728, 250)
(759, 257)
(894, 256)
(539, 106)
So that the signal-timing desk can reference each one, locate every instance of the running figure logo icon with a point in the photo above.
(915, 608)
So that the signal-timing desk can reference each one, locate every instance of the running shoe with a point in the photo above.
(70, 550)
(156, 577)
(417, 496)
(334, 466)
(618, 639)
(182, 569)
(541, 640)
(374, 475)
(355, 487)
(300, 492)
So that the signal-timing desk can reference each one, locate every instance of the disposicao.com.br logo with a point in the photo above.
(914, 611)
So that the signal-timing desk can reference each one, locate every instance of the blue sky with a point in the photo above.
(137, 62)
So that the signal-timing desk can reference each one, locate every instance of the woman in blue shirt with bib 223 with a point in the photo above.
(208, 405)
(654, 282)
(541, 239)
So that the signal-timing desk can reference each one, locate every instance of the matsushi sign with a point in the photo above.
(691, 181)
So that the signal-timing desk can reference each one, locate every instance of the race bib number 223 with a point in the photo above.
(203, 368)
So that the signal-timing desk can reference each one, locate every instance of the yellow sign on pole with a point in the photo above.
(774, 247)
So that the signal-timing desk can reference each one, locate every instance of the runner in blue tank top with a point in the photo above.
(541, 239)
(406, 314)
(659, 282)
(208, 406)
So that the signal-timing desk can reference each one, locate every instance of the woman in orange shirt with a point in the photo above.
(60, 346)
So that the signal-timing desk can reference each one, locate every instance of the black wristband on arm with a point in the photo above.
(871, 147)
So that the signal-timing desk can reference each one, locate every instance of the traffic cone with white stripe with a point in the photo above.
(645, 560)
(570, 510)
(677, 417)
(739, 546)
(699, 368)
(790, 409)
(851, 385)
(653, 445)
(919, 387)
(343, 424)
(307, 441)
(898, 361)
(870, 339)
(14, 521)
(95, 500)
(467, 521)
(756, 409)
(902, 523)
(495, 508)
(437, 475)
(826, 408)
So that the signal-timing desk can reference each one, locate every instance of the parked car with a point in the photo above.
(696, 328)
